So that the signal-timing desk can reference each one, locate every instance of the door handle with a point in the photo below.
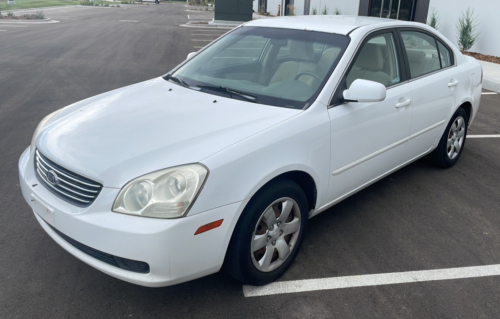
(452, 84)
(403, 104)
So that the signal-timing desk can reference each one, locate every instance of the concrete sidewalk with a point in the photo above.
(491, 76)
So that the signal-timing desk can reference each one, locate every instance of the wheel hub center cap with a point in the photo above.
(275, 233)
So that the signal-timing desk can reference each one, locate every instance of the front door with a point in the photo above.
(368, 140)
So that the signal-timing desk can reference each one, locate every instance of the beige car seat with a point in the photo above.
(303, 54)
(368, 66)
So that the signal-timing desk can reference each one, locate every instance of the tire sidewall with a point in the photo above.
(442, 147)
(243, 233)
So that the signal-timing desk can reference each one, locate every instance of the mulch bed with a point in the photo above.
(22, 17)
(484, 57)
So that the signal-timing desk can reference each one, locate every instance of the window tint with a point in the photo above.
(445, 55)
(376, 61)
(422, 53)
(244, 50)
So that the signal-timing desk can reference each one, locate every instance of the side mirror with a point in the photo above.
(190, 55)
(365, 91)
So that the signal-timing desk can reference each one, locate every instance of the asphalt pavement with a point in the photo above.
(419, 218)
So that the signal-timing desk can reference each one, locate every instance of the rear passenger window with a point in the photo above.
(445, 55)
(422, 53)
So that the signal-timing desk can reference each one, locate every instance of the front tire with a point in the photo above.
(452, 142)
(268, 234)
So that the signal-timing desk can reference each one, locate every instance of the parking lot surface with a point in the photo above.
(419, 218)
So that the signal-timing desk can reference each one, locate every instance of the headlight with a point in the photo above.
(40, 126)
(168, 193)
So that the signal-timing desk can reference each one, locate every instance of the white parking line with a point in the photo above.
(489, 93)
(207, 34)
(129, 20)
(198, 47)
(285, 287)
(3, 30)
(201, 40)
(189, 17)
(484, 136)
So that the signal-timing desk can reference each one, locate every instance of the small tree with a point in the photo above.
(433, 19)
(325, 10)
(467, 33)
(338, 11)
(314, 11)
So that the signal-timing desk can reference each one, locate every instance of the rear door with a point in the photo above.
(435, 84)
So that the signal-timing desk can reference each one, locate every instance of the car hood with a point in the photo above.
(150, 126)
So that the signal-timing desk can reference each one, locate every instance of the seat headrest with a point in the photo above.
(370, 58)
(415, 56)
(301, 50)
(327, 59)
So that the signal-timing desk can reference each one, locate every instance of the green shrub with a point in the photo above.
(338, 11)
(325, 10)
(39, 15)
(10, 14)
(314, 11)
(433, 19)
(467, 33)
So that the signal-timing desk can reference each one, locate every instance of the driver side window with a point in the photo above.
(376, 61)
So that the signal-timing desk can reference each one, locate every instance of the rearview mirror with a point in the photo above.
(365, 91)
(190, 55)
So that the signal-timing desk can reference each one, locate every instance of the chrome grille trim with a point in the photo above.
(47, 183)
(71, 187)
(66, 182)
(59, 172)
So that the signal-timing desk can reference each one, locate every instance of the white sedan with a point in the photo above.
(222, 161)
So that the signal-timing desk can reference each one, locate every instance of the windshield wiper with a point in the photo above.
(176, 79)
(231, 92)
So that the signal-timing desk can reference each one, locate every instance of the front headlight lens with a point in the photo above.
(168, 193)
(40, 126)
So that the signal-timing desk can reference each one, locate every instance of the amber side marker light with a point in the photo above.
(210, 226)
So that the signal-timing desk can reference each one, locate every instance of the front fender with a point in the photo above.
(301, 143)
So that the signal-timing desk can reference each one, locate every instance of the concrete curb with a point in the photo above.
(44, 21)
(491, 85)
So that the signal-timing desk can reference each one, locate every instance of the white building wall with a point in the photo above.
(488, 12)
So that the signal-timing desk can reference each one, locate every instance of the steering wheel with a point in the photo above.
(307, 73)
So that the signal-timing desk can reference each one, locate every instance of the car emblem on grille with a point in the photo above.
(52, 178)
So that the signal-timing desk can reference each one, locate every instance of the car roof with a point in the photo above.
(325, 23)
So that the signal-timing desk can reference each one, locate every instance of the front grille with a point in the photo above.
(123, 263)
(71, 187)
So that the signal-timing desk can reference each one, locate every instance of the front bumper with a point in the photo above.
(170, 248)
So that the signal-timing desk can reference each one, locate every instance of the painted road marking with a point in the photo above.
(199, 40)
(198, 47)
(484, 136)
(129, 20)
(189, 17)
(3, 30)
(207, 30)
(285, 287)
(207, 34)
(489, 93)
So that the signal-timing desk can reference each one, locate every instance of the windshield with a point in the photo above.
(280, 67)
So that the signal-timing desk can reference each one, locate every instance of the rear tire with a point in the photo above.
(452, 142)
(268, 234)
